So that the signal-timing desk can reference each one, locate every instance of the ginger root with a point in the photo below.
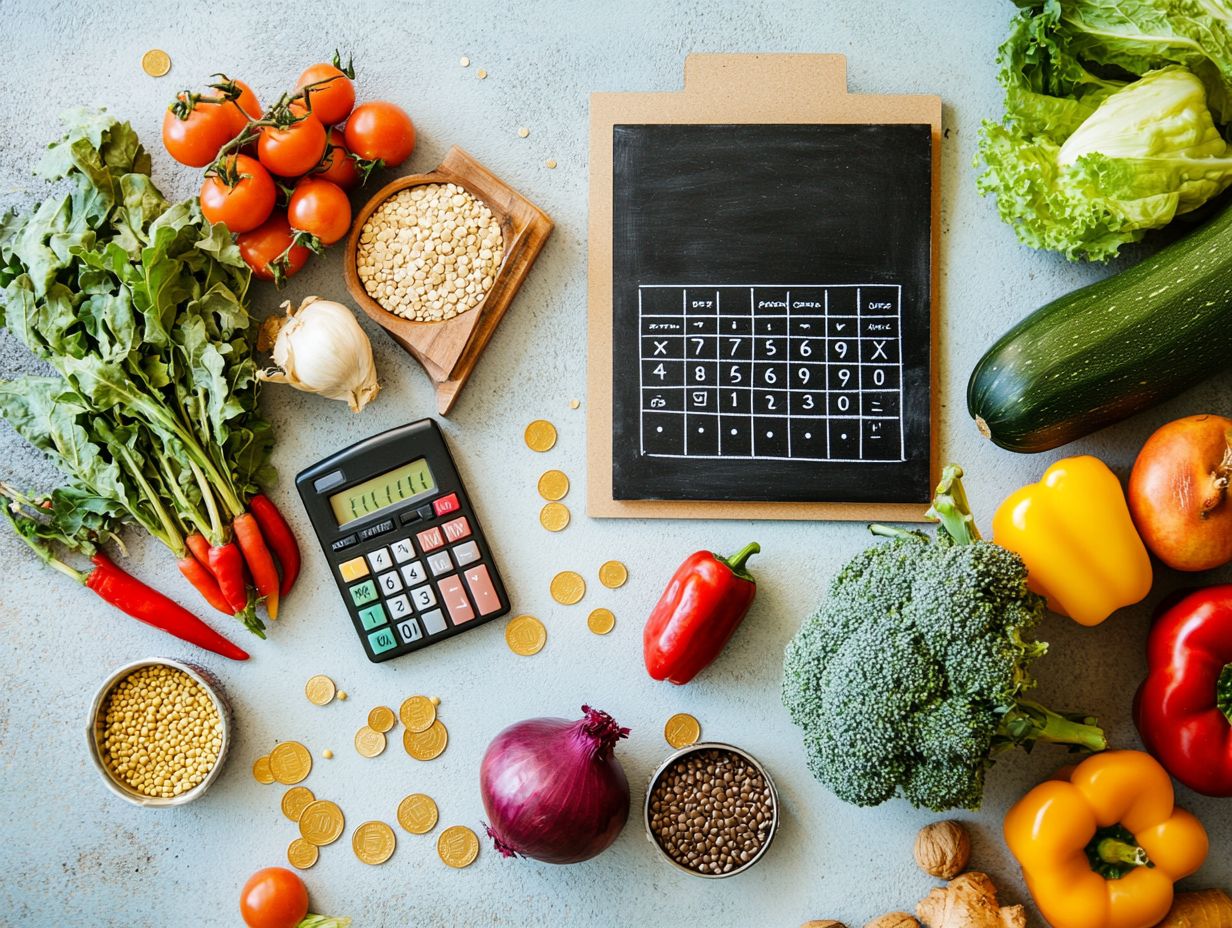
(970, 901)
(1210, 908)
(894, 920)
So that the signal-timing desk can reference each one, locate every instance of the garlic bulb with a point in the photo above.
(320, 348)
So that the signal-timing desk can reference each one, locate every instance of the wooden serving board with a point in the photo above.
(448, 351)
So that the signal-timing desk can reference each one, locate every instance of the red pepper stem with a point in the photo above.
(737, 561)
(1223, 693)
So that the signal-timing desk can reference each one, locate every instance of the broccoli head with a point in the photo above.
(910, 676)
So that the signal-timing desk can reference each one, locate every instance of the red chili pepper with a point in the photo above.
(227, 565)
(702, 607)
(1184, 707)
(200, 577)
(279, 537)
(130, 595)
(259, 560)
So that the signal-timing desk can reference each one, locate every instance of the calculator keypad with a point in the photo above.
(380, 559)
(440, 563)
(403, 550)
(363, 593)
(467, 553)
(390, 583)
(423, 597)
(455, 600)
(399, 607)
(414, 573)
(430, 540)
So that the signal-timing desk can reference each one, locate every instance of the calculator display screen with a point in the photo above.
(382, 492)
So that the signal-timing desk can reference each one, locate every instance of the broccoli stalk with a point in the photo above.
(911, 675)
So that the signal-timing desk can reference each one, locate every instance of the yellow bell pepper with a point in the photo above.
(1074, 532)
(1103, 848)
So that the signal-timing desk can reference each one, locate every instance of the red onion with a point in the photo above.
(553, 790)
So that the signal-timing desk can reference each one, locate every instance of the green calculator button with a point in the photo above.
(382, 641)
(363, 593)
(373, 616)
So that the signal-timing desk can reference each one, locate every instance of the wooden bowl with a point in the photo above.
(449, 350)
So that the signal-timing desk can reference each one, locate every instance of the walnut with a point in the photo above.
(942, 849)
(894, 920)
(822, 923)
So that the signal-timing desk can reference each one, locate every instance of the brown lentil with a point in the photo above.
(711, 811)
(161, 732)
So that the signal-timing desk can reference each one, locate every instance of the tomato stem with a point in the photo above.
(1223, 693)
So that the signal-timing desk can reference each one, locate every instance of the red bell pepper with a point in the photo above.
(1184, 707)
(702, 607)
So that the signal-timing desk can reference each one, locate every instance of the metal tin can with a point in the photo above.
(94, 731)
(712, 746)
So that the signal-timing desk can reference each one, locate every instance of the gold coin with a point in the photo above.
(553, 485)
(613, 575)
(601, 621)
(261, 770)
(301, 855)
(568, 587)
(417, 713)
(320, 690)
(156, 62)
(321, 823)
(540, 435)
(554, 517)
(525, 635)
(426, 745)
(381, 719)
(290, 762)
(417, 813)
(295, 801)
(682, 730)
(373, 842)
(369, 742)
(458, 846)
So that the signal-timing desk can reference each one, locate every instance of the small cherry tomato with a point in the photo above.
(274, 898)
(241, 201)
(295, 149)
(269, 250)
(320, 208)
(381, 131)
(338, 166)
(195, 137)
(332, 101)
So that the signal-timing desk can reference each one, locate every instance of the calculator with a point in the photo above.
(402, 540)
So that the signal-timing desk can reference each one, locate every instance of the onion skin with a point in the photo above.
(1178, 493)
(553, 790)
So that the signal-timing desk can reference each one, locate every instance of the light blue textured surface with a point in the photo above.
(71, 854)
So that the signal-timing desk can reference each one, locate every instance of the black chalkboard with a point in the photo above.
(771, 318)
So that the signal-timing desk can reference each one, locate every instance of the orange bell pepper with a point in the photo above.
(1074, 532)
(1102, 848)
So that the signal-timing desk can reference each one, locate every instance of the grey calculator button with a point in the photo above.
(380, 559)
(399, 607)
(433, 621)
(466, 553)
(390, 583)
(414, 573)
(409, 631)
(440, 563)
(423, 597)
(403, 550)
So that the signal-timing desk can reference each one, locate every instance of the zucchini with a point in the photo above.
(1111, 349)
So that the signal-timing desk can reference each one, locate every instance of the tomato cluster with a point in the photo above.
(278, 178)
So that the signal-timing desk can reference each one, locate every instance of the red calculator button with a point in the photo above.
(457, 529)
(446, 504)
(455, 600)
(430, 540)
(482, 590)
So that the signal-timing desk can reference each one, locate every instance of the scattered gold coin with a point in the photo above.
(550, 164)
(525, 635)
(481, 74)
(373, 842)
(290, 762)
(295, 801)
(327, 754)
(523, 132)
(426, 745)
(464, 61)
(682, 730)
(381, 719)
(573, 404)
(553, 485)
(417, 713)
(321, 823)
(540, 435)
(320, 690)
(369, 742)
(417, 813)
(601, 621)
(342, 695)
(156, 62)
(261, 770)
(554, 516)
(568, 587)
(301, 855)
(458, 846)
(613, 575)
